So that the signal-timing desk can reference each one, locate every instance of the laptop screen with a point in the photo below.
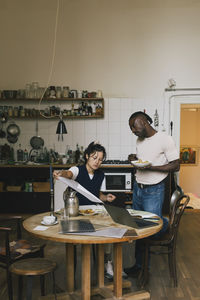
(70, 226)
(121, 215)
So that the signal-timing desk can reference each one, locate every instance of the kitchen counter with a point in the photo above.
(17, 200)
(38, 165)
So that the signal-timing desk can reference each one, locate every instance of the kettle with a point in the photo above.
(71, 202)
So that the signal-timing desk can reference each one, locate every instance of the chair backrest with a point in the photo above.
(178, 204)
(178, 192)
(10, 228)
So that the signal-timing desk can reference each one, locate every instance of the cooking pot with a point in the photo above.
(36, 142)
(13, 130)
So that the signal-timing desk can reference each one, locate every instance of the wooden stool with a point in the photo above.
(32, 267)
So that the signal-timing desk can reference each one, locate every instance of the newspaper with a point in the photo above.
(80, 189)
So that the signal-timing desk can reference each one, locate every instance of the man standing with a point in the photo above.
(149, 187)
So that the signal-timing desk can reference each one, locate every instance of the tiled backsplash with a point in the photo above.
(112, 132)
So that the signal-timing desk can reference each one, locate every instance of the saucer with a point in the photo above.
(43, 223)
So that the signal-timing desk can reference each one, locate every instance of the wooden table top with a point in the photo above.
(52, 233)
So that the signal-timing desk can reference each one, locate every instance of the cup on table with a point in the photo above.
(48, 220)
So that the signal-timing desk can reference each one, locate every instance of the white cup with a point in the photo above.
(64, 160)
(48, 220)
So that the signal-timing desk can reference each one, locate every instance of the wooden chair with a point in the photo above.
(167, 240)
(31, 267)
(13, 247)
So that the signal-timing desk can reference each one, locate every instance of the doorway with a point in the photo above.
(185, 115)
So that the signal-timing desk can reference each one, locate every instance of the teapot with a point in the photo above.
(71, 202)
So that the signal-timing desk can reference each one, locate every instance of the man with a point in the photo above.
(149, 187)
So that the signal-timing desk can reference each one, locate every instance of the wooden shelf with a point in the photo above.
(52, 99)
(32, 112)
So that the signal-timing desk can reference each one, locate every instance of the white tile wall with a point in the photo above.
(112, 131)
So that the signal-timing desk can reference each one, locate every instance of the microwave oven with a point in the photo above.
(117, 182)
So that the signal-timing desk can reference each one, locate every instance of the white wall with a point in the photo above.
(126, 48)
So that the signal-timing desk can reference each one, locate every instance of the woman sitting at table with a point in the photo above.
(91, 178)
(89, 175)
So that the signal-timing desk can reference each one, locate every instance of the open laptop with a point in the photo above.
(121, 215)
(76, 226)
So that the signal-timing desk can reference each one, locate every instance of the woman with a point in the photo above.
(89, 175)
(91, 178)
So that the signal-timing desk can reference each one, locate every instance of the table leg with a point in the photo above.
(86, 276)
(70, 267)
(100, 270)
(118, 270)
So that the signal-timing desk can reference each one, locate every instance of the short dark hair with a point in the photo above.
(137, 113)
(92, 148)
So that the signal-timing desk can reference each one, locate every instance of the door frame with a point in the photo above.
(175, 101)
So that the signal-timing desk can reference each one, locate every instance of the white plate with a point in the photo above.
(138, 164)
(88, 214)
(56, 222)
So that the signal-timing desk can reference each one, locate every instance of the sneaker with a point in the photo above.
(109, 270)
(133, 271)
(124, 275)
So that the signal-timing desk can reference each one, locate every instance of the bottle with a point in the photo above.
(20, 154)
(25, 155)
(77, 154)
(65, 91)
(156, 119)
(52, 92)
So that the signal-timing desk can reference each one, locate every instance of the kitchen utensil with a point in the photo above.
(71, 208)
(2, 132)
(61, 128)
(3, 117)
(13, 130)
(36, 142)
(12, 139)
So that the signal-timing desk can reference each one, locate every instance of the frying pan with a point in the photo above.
(36, 142)
(12, 139)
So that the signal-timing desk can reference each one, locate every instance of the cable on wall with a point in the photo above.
(52, 61)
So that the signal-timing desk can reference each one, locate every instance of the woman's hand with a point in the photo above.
(61, 173)
(110, 197)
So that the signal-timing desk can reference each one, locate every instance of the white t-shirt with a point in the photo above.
(75, 171)
(159, 149)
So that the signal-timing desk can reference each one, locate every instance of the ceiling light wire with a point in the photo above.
(52, 62)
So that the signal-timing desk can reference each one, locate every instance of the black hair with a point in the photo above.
(92, 148)
(137, 113)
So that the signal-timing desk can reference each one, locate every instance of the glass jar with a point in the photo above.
(65, 91)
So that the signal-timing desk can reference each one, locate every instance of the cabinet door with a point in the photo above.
(22, 202)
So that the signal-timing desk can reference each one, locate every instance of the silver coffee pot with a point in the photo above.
(71, 203)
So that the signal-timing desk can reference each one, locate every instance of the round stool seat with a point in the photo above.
(33, 266)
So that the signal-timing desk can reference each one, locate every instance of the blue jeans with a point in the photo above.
(149, 199)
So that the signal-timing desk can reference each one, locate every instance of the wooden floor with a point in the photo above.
(160, 286)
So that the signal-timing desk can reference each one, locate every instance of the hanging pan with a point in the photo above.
(12, 139)
(36, 141)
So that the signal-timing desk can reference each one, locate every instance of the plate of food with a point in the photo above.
(87, 212)
(140, 163)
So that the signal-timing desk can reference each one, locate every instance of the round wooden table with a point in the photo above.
(110, 291)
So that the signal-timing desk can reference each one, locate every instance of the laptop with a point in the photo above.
(121, 215)
(76, 226)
